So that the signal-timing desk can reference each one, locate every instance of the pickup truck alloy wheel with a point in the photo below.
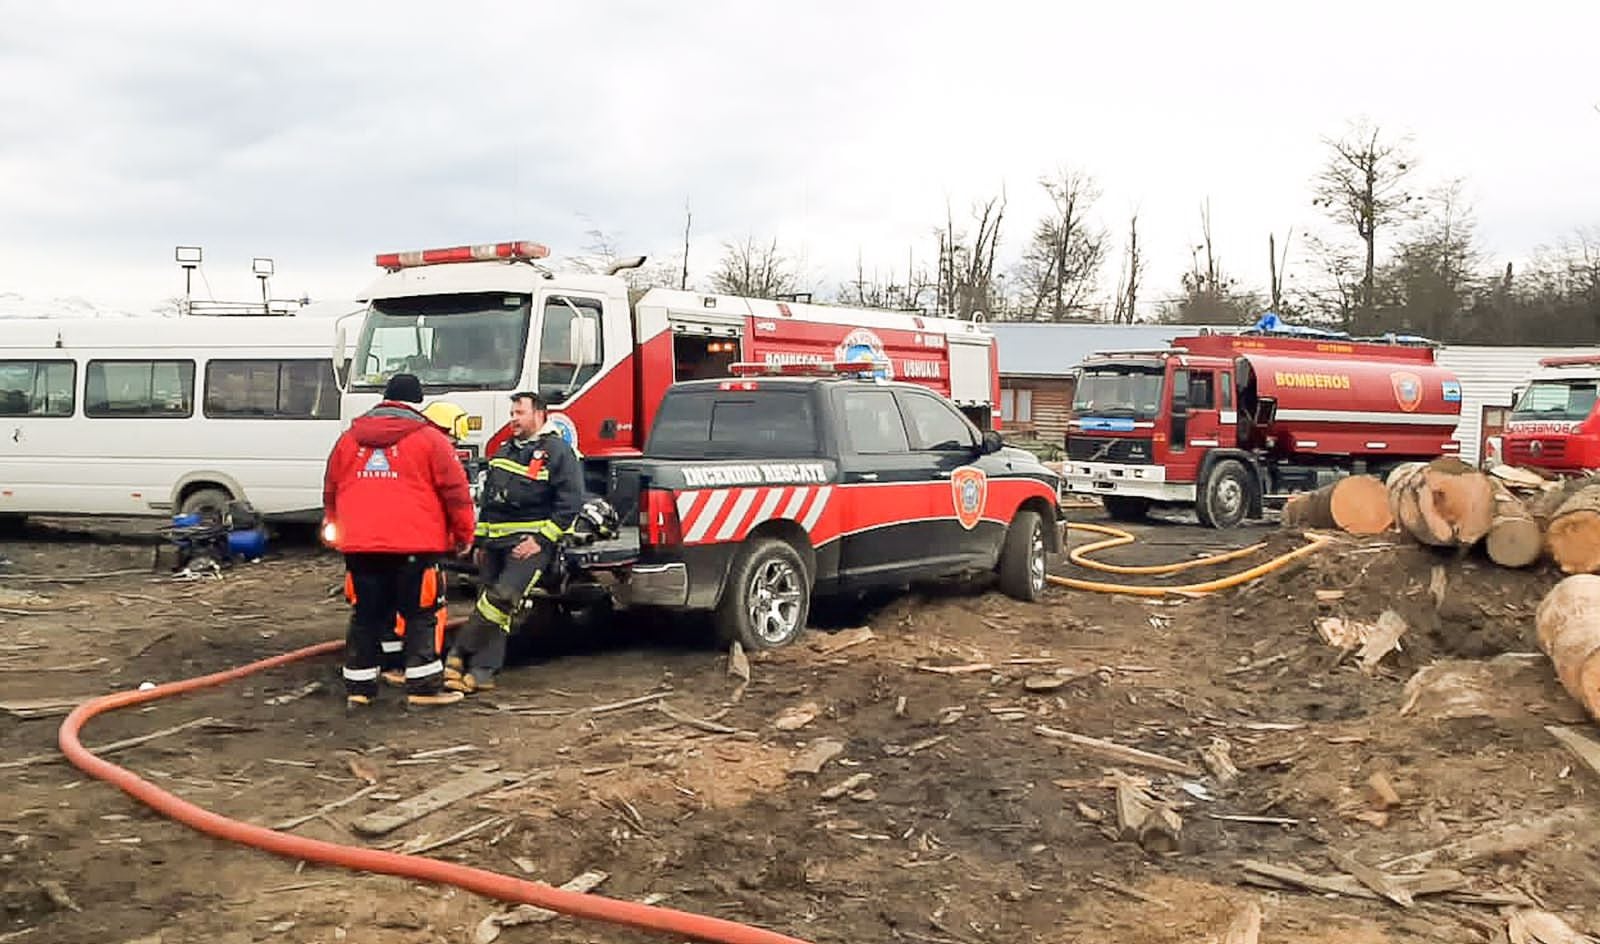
(774, 601)
(768, 596)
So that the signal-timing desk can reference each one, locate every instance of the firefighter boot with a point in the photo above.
(356, 703)
(433, 699)
(473, 682)
(453, 667)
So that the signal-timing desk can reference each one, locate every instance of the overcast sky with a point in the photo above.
(322, 133)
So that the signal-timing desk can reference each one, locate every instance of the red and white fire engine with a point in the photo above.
(1227, 423)
(476, 323)
(1555, 426)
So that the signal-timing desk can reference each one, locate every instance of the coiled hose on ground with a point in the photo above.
(520, 891)
(1118, 538)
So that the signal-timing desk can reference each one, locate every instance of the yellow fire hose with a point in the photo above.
(1118, 538)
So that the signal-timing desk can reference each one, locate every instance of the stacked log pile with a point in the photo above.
(1516, 515)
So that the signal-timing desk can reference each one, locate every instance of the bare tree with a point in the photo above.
(1430, 284)
(1126, 308)
(688, 218)
(1277, 267)
(1063, 260)
(602, 249)
(966, 270)
(1210, 296)
(887, 291)
(753, 270)
(1363, 186)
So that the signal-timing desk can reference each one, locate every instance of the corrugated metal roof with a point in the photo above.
(1053, 350)
(1488, 376)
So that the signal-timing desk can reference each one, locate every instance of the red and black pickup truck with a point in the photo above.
(756, 494)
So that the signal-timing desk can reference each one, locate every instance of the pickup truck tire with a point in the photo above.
(1125, 508)
(1225, 497)
(767, 600)
(1023, 558)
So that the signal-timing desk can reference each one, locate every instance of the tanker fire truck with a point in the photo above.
(1229, 423)
(1554, 426)
(476, 323)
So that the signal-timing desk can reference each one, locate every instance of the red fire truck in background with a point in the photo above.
(1555, 426)
(476, 323)
(1229, 423)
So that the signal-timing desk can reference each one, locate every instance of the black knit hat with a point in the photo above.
(404, 387)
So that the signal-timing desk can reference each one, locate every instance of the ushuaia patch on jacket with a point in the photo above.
(378, 466)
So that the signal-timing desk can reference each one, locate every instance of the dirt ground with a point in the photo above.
(973, 827)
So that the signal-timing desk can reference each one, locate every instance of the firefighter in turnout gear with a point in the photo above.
(453, 420)
(532, 493)
(395, 499)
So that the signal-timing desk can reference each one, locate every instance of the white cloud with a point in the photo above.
(320, 136)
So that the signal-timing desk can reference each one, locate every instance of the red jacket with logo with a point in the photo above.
(394, 485)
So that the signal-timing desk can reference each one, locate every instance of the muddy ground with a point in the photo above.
(973, 827)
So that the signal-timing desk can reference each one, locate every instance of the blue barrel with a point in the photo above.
(250, 543)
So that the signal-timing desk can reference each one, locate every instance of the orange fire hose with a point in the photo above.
(489, 884)
(1119, 537)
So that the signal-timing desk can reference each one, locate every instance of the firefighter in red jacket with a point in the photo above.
(396, 499)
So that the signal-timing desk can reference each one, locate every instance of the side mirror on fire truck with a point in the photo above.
(584, 341)
(992, 443)
(1266, 411)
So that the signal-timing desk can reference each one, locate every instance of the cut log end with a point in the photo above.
(1358, 504)
(1574, 537)
(1514, 542)
(1444, 503)
(1568, 624)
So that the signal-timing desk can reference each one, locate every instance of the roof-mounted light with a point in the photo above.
(836, 368)
(485, 252)
(1571, 360)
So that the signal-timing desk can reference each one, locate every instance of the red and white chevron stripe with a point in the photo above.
(715, 515)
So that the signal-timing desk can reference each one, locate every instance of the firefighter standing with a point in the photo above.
(395, 498)
(531, 495)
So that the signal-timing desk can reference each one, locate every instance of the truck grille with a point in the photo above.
(1522, 449)
(1108, 449)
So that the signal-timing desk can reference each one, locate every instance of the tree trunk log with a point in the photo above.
(1568, 621)
(1515, 539)
(1358, 504)
(1574, 532)
(1443, 503)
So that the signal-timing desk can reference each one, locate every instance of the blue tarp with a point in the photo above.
(1272, 323)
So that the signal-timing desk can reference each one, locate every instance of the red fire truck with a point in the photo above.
(476, 323)
(1554, 426)
(1229, 423)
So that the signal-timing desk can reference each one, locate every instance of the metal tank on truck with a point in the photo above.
(1555, 426)
(1229, 424)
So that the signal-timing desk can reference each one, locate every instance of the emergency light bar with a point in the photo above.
(750, 368)
(484, 252)
(1570, 360)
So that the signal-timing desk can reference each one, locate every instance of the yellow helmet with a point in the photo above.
(448, 417)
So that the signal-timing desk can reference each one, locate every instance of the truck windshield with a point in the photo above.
(1122, 390)
(459, 341)
(1568, 401)
(712, 424)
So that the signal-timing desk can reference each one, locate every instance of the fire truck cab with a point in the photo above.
(477, 323)
(1554, 426)
(1228, 424)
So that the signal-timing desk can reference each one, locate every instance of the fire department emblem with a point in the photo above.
(863, 345)
(1407, 389)
(969, 488)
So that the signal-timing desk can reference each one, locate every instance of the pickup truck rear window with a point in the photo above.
(716, 424)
